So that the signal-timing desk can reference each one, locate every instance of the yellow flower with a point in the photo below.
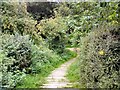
(101, 52)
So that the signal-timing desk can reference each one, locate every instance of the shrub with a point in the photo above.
(15, 55)
(53, 32)
(19, 56)
(41, 57)
(22, 22)
(100, 58)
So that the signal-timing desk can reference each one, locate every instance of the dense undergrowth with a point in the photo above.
(20, 57)
(22, 50)
(36, 80)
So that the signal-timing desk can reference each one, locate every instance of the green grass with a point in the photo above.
(73, 74)
(68, 54)
(36, 80)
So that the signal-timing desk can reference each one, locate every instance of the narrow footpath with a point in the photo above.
(57, 77)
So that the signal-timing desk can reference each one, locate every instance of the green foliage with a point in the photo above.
(22, 22)
(17, 25)
(67, 54)
(74, 74)
(100, 58)
(62, 9)
(32, 81)
(44, 61)
(84, 17)
(23, 51)
(53, 31)
(15, 57)
(42, 58)
(20, 57)
(74, 20)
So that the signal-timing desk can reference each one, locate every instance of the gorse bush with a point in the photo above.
(100, 58)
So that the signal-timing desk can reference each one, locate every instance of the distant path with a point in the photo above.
(57, 78)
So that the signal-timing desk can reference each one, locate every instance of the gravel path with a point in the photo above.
(57, 78)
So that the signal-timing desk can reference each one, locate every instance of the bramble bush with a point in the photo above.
(100, 58)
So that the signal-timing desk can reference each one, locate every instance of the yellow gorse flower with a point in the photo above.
(101, 52)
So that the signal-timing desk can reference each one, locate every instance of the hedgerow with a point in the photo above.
(100, 58)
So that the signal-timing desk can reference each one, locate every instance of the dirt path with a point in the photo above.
(57, 78)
